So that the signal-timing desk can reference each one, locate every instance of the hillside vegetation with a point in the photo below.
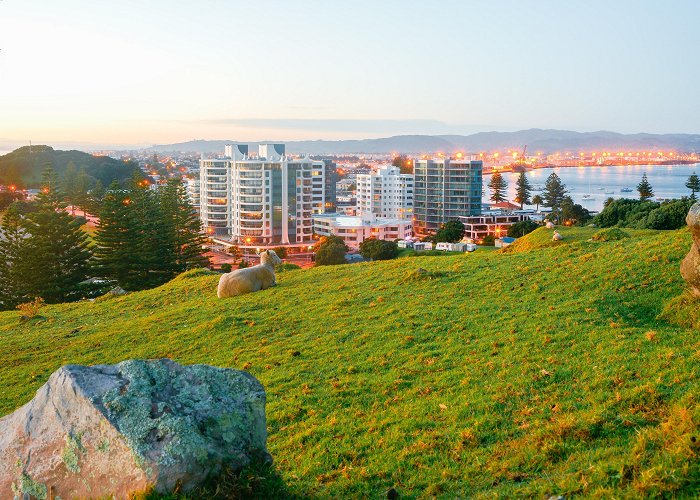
(24, 168)
(545, 369)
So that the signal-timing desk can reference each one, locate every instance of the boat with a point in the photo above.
(626, 190)
(610, 192)
(587, 197)
(601, 189)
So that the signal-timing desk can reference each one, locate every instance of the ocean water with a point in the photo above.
(601, 183)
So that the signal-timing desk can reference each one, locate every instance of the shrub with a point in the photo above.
(612, 234)
(243, 264)
(30, 310)
(226, 268)
(522, 228)
(644, 214)
(281, 252)
(286, 266)
(331, 251)
(488, 241)
(375, 249)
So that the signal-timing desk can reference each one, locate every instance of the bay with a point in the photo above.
(601, 183)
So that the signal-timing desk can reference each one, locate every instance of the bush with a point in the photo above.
(281, 252)
(243, 264)
(375, 249)
(286, 266)
(30, 310)
(450, 232)
(644, 214)
(488, 241)
(226, 268)
(522, 228)
(612, 234)
(331, 251)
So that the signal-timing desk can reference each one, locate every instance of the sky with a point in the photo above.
(164, 71)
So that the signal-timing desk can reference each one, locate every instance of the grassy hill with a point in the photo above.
(540, 370)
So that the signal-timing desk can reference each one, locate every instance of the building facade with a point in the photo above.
(386, 193)
(356, 229)
(445, 189)
(261, 200)
(494, 224)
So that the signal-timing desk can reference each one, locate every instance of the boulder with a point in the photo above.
(690, 267)
(116, 430)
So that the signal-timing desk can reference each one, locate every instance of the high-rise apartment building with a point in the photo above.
(261, 200)
(445, 189)
(386, 193)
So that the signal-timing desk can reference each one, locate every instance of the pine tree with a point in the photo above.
(68, 185)
(55, 257)
(554, 193)
(81, 196)
(645, 190)
(187, 239)
(114, 238)
(498, 186)
(11, 240)
(693, 184)
(523, 190)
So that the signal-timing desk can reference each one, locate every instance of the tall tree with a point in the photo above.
(498, 186)
(537, 200)
(404, 163)
(554, 191)
(11, 238)
(55, 256)
(693, 183)
(645, 190)
(186, 237)
(523, 188)
(451, 231)
(116, 238)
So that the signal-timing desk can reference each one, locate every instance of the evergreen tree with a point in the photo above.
(645, 190)
(498, 186)
(81, 196)
(187, 239)
(55, 257)
(11, 239)
(537, 200)
(68, 185)
(554, 194)
(116, 250)
(693, 183)
(523, 190)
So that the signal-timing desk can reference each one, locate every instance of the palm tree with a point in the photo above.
(537, 200)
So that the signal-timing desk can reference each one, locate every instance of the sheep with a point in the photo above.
(556, 237)
(250, 279)
(550, 224)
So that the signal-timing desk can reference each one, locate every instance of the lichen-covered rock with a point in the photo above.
(115, 430)
(690, 267)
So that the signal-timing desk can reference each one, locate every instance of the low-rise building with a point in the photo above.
(356, 229)
(496, 224)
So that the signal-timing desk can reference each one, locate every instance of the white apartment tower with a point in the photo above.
(261, 200)
(387, 193)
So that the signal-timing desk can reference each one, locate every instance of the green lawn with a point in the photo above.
(538, 370)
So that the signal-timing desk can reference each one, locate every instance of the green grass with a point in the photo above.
(545, 368)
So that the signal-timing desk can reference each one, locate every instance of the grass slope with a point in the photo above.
(543, 369)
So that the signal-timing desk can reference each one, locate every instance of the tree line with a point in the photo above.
(143, 239)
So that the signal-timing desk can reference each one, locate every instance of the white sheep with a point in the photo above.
(556, 236)
(550, 224)
(250, 279)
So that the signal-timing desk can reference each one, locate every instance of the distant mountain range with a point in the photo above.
(546, 141)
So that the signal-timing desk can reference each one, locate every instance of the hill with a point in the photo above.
(543, 370)
(24, 166)
(546, 141)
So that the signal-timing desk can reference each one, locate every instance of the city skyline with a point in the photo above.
(160, 73)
